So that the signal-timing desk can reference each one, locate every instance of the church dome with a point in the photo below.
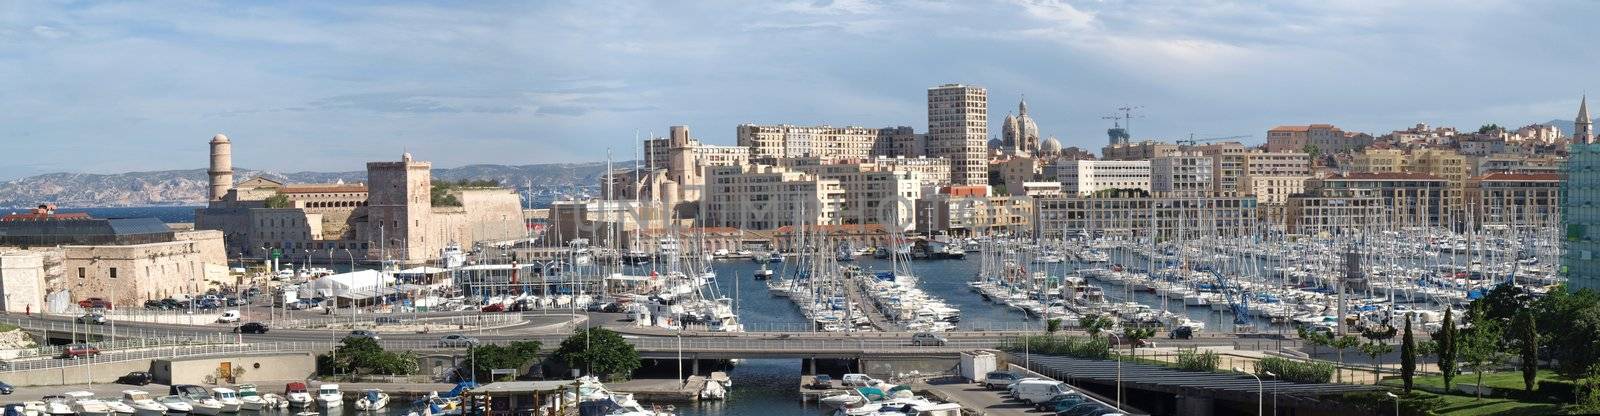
(1051, 145)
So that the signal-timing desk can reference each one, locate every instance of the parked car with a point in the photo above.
(999, 379)
(80, 351)
(1035, 392)
(5, 388)
(1182, 332)
(94, 303)
(155, 305)
(495, 307)
(170, 303)
(854, 380)
(362, 333)
(229, 316)
(1086, 409)
(92, 318)
(928, 339)
(136, 378)
(1061, 402)
(822, 381)
(457, 340)
(251, 328)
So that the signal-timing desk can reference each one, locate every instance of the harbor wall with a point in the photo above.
(245, 369)
(77, 374)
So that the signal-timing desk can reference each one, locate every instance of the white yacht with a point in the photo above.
(372, 399)
(297, 395)
(198, 398)
(250, 399)
(58, 406)
(118, 407)
(84, 404)
(329, 396)
(142, 404)
(175, 404)
(228, 398)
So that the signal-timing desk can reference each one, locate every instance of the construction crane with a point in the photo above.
(1125, 117)
(1192, 141)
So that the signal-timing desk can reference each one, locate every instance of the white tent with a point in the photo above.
(344, 283)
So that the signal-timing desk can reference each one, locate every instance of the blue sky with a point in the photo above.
(111, 87)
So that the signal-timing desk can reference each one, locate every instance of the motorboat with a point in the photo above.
(297, 395)
(175, 404)
(372, 399)
(198, 398)
(58, 406)
(118, 407)
(142, 404)
(28, 408)
(252, 399)
(329, 396)
(84, 404)
(229, 399)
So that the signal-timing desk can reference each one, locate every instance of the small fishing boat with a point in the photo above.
(372, 399)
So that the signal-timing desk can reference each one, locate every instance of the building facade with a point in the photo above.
(1184, 175)
(1019, 135)
(1334, 211)
(1520, 200)
(958, 130)
(826, 142)
(764, 197)
(1085, 177)
(1324, 138)
(1170, 218)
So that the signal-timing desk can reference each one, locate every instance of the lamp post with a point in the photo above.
(1274, 392)
(1119, 371)
(1261, 390)
(352, 259)
(1027, 329)
(1396, 402)
(680, 356)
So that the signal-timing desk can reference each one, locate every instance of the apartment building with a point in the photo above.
(1168, 217)
(1085, 177)
(1516, 199)
(1334, 211)
(826, 142)
(958, 130)
(1144, 150)
(764, 197)
(1324, 138)
(1412, 199)
(975, 215)
(1184, 175)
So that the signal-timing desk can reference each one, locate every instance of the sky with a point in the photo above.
(324, 86)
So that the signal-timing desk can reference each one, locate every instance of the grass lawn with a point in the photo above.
(1508, 380)
(8, 327)
(1468, 406)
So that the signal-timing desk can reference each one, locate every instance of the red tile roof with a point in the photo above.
(1505, 176)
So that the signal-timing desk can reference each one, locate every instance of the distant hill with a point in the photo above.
(188, 187)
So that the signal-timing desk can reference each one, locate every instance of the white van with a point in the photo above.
(229, 316)
(1038, 391)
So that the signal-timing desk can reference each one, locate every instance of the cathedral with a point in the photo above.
(1020, 134)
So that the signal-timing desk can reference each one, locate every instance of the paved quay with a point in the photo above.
(975, 399)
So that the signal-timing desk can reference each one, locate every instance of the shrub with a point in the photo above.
(1191, 360)
(1090, 348)
(1558, 390)
(1295, 371)
(1378, 403)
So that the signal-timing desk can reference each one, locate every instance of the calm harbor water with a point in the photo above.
(768, 386)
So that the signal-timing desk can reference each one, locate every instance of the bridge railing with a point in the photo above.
(172, 351)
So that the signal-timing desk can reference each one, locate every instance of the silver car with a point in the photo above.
(457, 340)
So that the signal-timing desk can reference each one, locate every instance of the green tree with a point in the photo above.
(1480, 348)
(601, 351)
(1528, 345)
(517, 354)
(1408, 356)
(1094, 324)
(1135, 334)
(1052, 325)
(1446, 339)
(1340, 344)
(1316, 338)
(365, 356)
(277, 201)
(1489, 128)
(1573, 349)
(1376, 335)
(1373, 350)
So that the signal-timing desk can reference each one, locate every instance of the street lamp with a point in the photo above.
(352, 259)
(1274, 392)
(1027, 328)
(1396, 402)
(1119, 370)
(1261, 390)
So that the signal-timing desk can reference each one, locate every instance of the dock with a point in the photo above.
(812, 394)
(670, 390)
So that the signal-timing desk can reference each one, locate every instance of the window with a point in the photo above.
(80, 272)
(113, 272)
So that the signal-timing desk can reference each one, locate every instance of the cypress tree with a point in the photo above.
(1528, 336)
(1447, 349)
(1408, 356)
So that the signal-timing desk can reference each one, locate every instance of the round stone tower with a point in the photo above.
(221, 171)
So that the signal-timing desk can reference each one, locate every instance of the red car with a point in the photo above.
(91, 303)
(497, 307)
(80, 351)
